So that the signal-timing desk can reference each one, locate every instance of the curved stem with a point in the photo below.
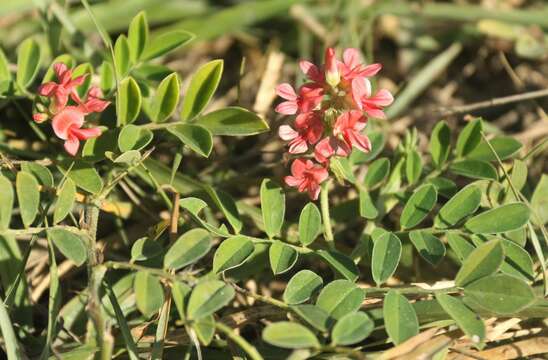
(240, 341)
(326, 219)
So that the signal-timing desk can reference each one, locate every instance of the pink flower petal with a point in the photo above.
(292, 181)
(71, 116)
(287, 133)
(287, 108)
(71, 145)
(298, 167)
(84, 134)
(311, 71)
(314, 191)
(298, 146)
(369, 70)
(382, 98)
(359, 141)
(286, 91)
(375, 113)
(351, 57)
(47, 89)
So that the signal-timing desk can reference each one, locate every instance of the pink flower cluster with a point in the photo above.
(67, 120)
(331, 111)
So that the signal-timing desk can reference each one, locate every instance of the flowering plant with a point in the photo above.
(170, 224)
(332, 111)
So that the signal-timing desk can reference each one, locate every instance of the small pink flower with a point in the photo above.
(312, 72)
(308, 130)
(310, 96)
(93, 102)
(332, 75)
(349, 126)
(352, 68)
(40, 117)
(63, 89)
(307, 176)
(331, 146)
(373, 105)
(67, 125)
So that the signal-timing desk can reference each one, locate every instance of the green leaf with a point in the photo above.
(465, 318)
(400, 318)
(95, 149)
(227, 205)
(460, 245)
(205, 329)
(28, 195)
(386, 256)
(149, 294)
(289, 335)
(484, 260)
(138, 35)
(231, 253)
(272, 207)
(6, 202)
(282, 257)
(445, 187)
(208, 297)
(500, 293)
(129, 101)
(133, 137)
(5, 73)
(189, 248)
(418, 206)
(233, 121)
(165, 43)
(340, 297)
(342, 168)
(517, 261)
(469, 137)
(107, 80)
(28, 62)
(367, 207)
(196, 137)
(180, 293)
(166, 99)
(474, 169)
(122, 58)
(201, 89)
(40, 172)
(377, 173)
(519, 174)
(351, 329)
(539, 200)
(313, 315)
(377, 140)
(145, 249)
(83, 174)
(69, 244)
(301, 287)
(413, 166)
(505, 147)
(65, 201)
(310, 224)
(429, 247)
(498, 220)
(464, 203)
(440, 143)
(340, 263)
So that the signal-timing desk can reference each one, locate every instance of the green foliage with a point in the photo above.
(190, 234)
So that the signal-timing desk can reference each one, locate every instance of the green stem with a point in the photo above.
(10, 340)
(324, 203)
(240, 341)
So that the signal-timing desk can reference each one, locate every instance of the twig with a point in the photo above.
(493, 102)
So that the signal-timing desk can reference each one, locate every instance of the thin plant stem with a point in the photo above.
(240, 341)
(324, 203)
